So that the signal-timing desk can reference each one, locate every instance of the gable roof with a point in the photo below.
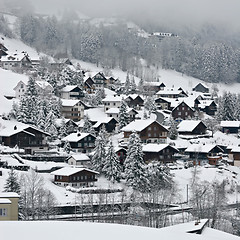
(68, 171)
(154, 147)
(113, 98)
(69, 88)
(69, 102)
(75, 137)
(202, 148)
(188, 125)
(230, 124)
(80, 157)
(139, 125)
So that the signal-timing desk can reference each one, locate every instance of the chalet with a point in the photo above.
(3, 50)
(235, 155)
(15, 61)
(200, 154)
(23, 136)
(153, 87)
(89, 85)
(9, 206)
(134, 101)
(72, 92)
(111, 102)
(159, 152)
(61, 62)
(100, 80)
(230, 126)
(69, 125)
(109, 123)
(182, 112)
(200, 87)
(73, 109)
(75, 177)
(171, 93)
(208, 106)
(192, 127)
(80, 159)
(149, 131)
(80, 142)
(114, 112)
(163, 103)
(43, 88)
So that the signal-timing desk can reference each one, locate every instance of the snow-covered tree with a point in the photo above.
(12, 183)
(173, 132)
(87, 126)
(98, 158)
(127, 85)
(135, 169)
(150, 104)
(67, 147)
(63, 129)
(112, 167)
(123, 115)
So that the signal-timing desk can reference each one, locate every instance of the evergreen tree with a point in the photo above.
(150, 104)
(41, 119)
(62, 130)
(87, 126)
(112, 167)
(145, 115)
(98, 158)
(123, 115)
(173, 132)
(140, 86)
(12, 183)
(135, 170)
(50, 125)
(67, 147)
(133, 84)
(127, 85)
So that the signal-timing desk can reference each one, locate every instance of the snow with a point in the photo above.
(200, 148)
(5, 201)
(112, 99)
(61, 230)
(95, 114)
(69, 102)
(9, 195)
(153, 147)
(137, 125)
(80, 157)
(230, 124)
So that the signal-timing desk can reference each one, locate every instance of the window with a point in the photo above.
(186, 113)
(149, 128)
(179, 113)
(183, 108)
(149, 134)
(3, 212)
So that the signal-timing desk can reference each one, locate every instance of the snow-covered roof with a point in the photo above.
(80, 157)
(102, 120)
(47, 230)
(75, 137)
(138, 125)
(235, 149)
(5, 201)
(168, 91)
(230, 124)
(43, 84)
(14, 57)
(113, 98)
(68, 88)
(112, 111)
(201, 148)
(9, 195)
(95, 114)
(205, 103)
(154, 147)
(68, 171)
(69, 102)
(188, 125)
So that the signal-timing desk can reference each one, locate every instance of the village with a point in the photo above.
(92, 112)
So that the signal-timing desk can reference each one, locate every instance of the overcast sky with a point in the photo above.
(178, 11)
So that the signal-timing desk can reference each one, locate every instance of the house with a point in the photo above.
(159, 152)
(109, 123)
(70, 125)
(182, 112)
(3, 50)
(43, 88)
(100, 80)
(134, 101)
(24, 136)
(235, 155)
(9, 206)
(75, 177)
(171, 93)
(200, 87)
(149, 131)
(114, 112)
(230, 126)
(153, 87)
(192, 127)
(111, 102)
(16, 60)
(73, 109)
(79, 159)
(72, 92)
(89, 85)
(208, 106)
(80, 142)
(163, 103)
(200, 153)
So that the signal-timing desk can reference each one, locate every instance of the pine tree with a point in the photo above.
(135, 170)
(112, 167)
(62, 130)
(127, 85)
(123, 115)
(140, 86)
(150, 104)
(98, 158)
(67, 147)
(12, 183)
(173, 132)
(87, 126)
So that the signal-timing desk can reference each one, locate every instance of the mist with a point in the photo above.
(171, 12)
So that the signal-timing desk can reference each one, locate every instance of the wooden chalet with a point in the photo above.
(153, 87)
(208, 106)
(69, 125)
(89, 86)
(109, 123)
(171, 93)
(182, 112)
(192, 127)
(75, 177)
(100, 81)
(72, 92)
(80, 159)
(234, 155)
(200, 154)
(111, 102)
(159, 152)
(134, 101)
(230, 126)
(163, 103)
(80, 142)
(200, 87)
(23, 136)
(150, 131)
